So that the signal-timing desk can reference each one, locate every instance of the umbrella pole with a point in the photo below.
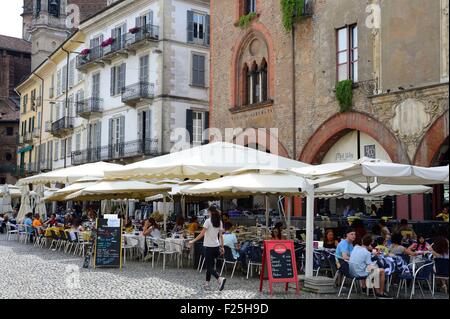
(289, 213)
(267, 214)
(165, 213)
(183, 206)
(309, 229)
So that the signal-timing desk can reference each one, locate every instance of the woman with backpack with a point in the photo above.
(213, 245)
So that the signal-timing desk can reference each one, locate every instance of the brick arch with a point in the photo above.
(431, 143)
(260, 30)
(261, 137)
(339, 125)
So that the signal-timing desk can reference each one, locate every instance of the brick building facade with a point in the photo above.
(15, 64)
(263, 76)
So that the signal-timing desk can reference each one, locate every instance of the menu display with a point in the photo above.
(279, 258)
(108, 244)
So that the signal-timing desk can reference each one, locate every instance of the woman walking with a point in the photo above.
(213, 245)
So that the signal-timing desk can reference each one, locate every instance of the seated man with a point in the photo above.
(345, 247)
(361, 265)
(230, 240)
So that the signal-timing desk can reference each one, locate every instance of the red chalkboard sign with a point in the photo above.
(279, 257)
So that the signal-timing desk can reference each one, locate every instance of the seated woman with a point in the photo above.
(193, 226)
(37, 224)
(179, 225)
(420, 246)
(397, 248)
(276, 234)
(151, 228)
(52, 222)
(330, 242)
(440, 247)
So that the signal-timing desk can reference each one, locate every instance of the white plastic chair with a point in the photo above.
(130, 244)
(12, 229)
(165, 247)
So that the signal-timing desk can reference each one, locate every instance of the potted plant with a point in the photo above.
(107, 42)
(134, 30)
(85, 52)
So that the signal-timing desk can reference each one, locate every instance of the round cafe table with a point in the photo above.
(141, 241)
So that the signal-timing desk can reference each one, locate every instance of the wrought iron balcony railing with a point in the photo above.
(87, 107)
(92, 55)
(139, 34)
(145, 147)
(60, 127)
(135, 93)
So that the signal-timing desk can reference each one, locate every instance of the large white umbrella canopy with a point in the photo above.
(71, 174)
(203, 162)
(6, 201)
(350, 189)
(25, 206)
(14, 191)
(60, 194)
(386, 173)
(250, 182)
(362, 170)
(118, 190)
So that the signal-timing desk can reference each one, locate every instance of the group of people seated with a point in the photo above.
(361, 253)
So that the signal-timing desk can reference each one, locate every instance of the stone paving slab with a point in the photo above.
(31, 272)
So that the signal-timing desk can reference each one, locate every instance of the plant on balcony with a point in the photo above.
(107, 42)
(85, 52)
(245, 20)
(344, 95)
(134, 30)
(292, 11)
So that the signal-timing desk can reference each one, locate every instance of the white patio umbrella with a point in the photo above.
(14, 191)
(6, 199)
(203, 162)
(39, 201)
(362, 170)
(25, 206)
(71, 174)
(80, 184)
(350, 189)
(252, 182)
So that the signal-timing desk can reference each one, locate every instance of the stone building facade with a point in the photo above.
(15, 61)
(395, 52)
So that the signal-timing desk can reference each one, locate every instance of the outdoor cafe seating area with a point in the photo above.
(188, 176)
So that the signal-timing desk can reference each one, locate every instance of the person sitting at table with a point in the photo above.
(361, 265)
(29, 223)
(384, 230)
(329, 241)
(230, 240)
(276, 234)
(404, 227)
(128, 225)
(345, 247)
(397, 248)
(68, 220)
(76, 225)
(225, 217)
(380, 245)
(52, 222)
(151, 228)
(439, 248)
(37, 224)
(193, 226)
(4, 222)
(444, 214)
(179, 225)
(421, 245)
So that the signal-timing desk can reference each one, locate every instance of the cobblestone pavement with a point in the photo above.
(30, 272)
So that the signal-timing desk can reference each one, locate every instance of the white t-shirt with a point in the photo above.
(155, 233)
(212, 234)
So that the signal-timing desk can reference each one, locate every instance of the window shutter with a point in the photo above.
(138, 22)
(71, 72)
(189, 125)
(205, 127)
(208, 30)
(190, 26)
(58, 83)
(110, 137)
(64, 78)
(150, 18)
(201, 69)
(98, 130)
(113, 80)
(69, 146)
(148, 125)
(50, 153)
(139, 125)
(122, 135)
(122, 77)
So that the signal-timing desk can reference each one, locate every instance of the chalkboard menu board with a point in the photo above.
(279, 258)
(108, 243)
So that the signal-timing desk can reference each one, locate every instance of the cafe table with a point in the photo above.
(140, 238)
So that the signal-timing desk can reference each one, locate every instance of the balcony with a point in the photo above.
(36, 132)
(61, 127)
(89, 107)
(116, 48)
(133, 94)
(147, 147)
(142, 36)
(91, 58)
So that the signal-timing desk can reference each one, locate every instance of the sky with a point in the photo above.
(10, 19)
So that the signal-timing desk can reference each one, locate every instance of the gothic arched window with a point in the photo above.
(54, 7)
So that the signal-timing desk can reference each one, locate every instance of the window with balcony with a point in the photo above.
(198, 28)
(347, 53)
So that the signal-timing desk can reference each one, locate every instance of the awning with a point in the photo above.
(25, 149)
